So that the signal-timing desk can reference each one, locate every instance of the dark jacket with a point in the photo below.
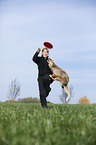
(42, 63)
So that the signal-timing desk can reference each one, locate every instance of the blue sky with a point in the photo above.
(70, 25)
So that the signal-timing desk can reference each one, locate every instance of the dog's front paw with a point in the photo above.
(52, 77)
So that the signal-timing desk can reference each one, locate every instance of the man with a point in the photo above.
(44, 73)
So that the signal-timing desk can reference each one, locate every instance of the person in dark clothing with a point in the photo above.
(44, 72)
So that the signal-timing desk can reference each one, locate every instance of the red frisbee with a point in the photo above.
(48, 45)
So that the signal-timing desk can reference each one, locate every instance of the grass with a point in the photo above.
(29, 124)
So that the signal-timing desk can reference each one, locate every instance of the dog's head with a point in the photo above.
(51, 63)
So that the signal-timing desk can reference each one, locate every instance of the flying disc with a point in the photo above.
(48, 45)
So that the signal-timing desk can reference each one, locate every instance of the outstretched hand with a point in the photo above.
(39, 49)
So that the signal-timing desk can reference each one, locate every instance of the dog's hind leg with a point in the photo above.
(68, 93)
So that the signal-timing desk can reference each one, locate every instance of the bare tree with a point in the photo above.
(63, 96)
(14, 89)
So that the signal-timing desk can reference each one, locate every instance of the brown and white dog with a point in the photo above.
(61, 76)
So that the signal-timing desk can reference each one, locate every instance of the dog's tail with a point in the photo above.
(67, 92)
(62, 87)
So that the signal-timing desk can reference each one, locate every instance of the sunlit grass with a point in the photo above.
(29, 124)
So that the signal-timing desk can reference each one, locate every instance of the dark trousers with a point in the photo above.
(44, 88)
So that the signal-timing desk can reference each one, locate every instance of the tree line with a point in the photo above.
(15, 88)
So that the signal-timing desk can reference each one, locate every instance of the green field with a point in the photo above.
(29, 124)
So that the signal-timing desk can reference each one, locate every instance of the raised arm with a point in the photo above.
(35, 57)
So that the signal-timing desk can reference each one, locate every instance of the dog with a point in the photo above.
(59, 75)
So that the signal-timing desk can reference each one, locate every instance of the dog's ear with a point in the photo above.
(49, 59)
(53, 64)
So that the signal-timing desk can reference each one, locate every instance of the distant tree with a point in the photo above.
(28, 100)
(84, 100)
(63, 96)
(14, 89)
